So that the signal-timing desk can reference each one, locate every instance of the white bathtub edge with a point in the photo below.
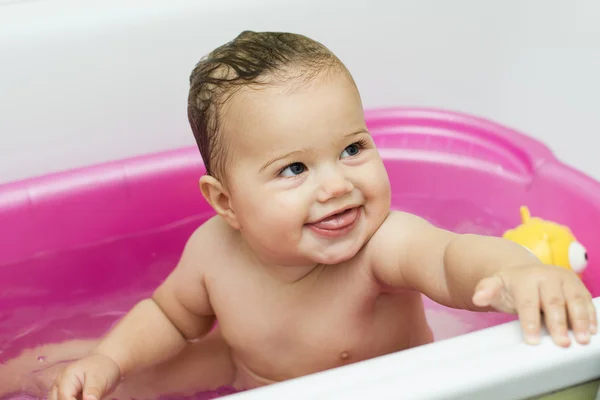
(494, 363)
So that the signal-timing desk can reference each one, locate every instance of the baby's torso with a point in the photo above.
(335, 316)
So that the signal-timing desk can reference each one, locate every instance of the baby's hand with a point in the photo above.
(88, 379)
(529, 289)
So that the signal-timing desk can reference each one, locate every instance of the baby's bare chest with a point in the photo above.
(286, 333)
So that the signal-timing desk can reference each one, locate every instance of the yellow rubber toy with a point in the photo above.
(552, 243)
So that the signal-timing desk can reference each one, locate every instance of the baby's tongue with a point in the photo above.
(336, 221)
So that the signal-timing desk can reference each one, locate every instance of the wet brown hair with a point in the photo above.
(252, 59)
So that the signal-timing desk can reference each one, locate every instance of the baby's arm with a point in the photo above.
(155, 330)
(443, 265)
(478, 272)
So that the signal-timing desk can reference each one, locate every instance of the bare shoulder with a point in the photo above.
(397, 226)
(185, 285)
(391, 246)
(205, 250)
(207, 243)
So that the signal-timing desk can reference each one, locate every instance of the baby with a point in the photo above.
(305, 266)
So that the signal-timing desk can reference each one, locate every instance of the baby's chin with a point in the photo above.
(338, 251)
(336, 254)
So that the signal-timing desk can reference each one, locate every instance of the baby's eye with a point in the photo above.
(293, 170)
(351, 150)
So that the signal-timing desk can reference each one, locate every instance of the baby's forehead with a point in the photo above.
(290, 116)
(260, 113)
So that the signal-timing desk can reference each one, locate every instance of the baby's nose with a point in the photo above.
(335, 185)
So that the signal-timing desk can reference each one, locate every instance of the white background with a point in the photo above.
(85, 81)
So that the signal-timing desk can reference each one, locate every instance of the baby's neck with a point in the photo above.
(291, 274)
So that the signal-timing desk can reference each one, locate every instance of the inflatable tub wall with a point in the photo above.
(79, 248)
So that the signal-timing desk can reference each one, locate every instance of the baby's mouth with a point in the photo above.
(337, 221)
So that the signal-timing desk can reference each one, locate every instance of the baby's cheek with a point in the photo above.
(378, 196)
(274, 213)
(378, 186)
(287, 215)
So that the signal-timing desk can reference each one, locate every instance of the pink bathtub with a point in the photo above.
(78, 249)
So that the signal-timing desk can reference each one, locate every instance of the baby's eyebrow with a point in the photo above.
(272, 160)
(358, 132)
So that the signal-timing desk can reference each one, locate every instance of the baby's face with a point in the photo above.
(306, 181)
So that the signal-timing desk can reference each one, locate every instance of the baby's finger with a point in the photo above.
(95, 387)
(68, 394)
(593, 319)
(68, 387)
(577, 304)
(53, 393)
(555, 312)
(527, 303)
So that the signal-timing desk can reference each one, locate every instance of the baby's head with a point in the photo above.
(280, 127)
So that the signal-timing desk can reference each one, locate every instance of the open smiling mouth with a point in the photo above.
(338, 224)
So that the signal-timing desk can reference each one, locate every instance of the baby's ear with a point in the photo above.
(218, 197)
